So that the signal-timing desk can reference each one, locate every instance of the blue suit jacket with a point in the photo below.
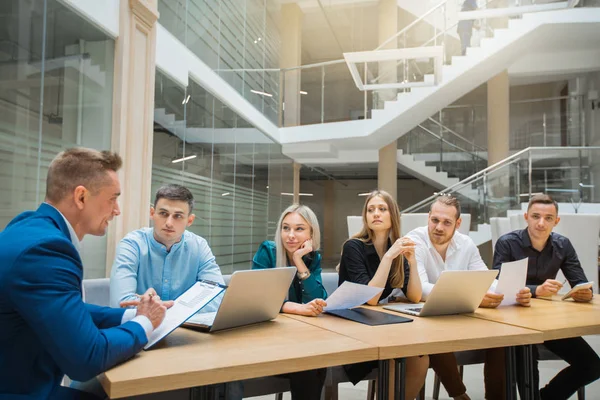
(46, 330)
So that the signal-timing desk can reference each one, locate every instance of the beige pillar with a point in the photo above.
(387, 171)
(387, 26)
(297, 167)
(133, 103)
(327, 232)
(291, 56)
(498, 108)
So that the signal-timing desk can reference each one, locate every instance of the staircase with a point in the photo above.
(544, 30)
(502, 187)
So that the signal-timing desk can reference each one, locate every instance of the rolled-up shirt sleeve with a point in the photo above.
(209, 270)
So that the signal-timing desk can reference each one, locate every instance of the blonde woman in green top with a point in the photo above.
(296, 243)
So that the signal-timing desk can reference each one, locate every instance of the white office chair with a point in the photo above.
(583, 230)
(354, 224)
(499, 226)
(517, 222)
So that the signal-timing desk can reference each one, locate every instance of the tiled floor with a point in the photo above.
(473, 379)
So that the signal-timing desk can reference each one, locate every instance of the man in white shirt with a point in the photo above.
(440, 247)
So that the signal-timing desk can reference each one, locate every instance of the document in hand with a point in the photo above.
(351, 295)
(513, 276)
(577, 288)
(186, 305)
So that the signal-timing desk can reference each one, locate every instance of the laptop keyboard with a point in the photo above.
(203, 318)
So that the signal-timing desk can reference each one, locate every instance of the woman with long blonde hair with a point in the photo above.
(378, 256)
(297, 240)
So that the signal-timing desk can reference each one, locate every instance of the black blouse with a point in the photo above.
(359, 264)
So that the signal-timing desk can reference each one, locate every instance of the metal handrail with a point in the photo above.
(507, 161)
(443, 140)
(438, 123)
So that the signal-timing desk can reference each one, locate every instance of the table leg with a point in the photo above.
(383, 380)
(529, 389)
(510, 366)
(400, 379)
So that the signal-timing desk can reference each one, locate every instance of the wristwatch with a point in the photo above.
(303, 275)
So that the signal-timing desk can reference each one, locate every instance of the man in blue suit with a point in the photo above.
(46, 330)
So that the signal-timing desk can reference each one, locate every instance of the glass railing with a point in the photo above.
(550, 121)
(566, 173)
(444, 149)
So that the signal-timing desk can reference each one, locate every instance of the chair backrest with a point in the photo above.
(354, 224)
(517, 222)
(411, 221)
(499, 226)
(330, 281)
(583, 230)
(97, 291)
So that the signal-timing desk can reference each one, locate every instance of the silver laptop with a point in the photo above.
(252, 296)
(456, 292)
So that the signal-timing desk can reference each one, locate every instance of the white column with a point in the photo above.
(387, 169)
(133, 103)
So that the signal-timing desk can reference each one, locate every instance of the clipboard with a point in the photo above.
(369, 317)
(189, 303)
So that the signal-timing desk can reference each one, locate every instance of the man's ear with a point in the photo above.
(557, 220)
(80, 196)
(191, 219)
(458, 222)
(152, 211)
(525, 216)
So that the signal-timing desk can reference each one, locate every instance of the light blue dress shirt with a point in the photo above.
(142, 263)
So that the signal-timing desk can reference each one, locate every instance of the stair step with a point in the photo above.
(459, 61)
(485, 42)
(514, 23)
(474, 51)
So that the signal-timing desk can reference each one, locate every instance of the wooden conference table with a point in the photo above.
(554, 318)
(187, 358)
(292, 343)
(429, 335)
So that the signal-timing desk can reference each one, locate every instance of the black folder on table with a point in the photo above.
(369, 317)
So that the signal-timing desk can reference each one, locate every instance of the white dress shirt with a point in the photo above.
(462, 254)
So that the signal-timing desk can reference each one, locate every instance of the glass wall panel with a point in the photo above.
(237, 174)
(56, 77)
(237, 38)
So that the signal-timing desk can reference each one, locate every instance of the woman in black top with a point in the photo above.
(377, 256)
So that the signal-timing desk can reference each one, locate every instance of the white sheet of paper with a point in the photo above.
(513, 277)
(186, 305)
(350, 295)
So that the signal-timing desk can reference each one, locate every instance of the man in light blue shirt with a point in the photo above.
(167, 257)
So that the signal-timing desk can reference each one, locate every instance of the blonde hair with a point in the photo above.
(310, 218)
(366, 235)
